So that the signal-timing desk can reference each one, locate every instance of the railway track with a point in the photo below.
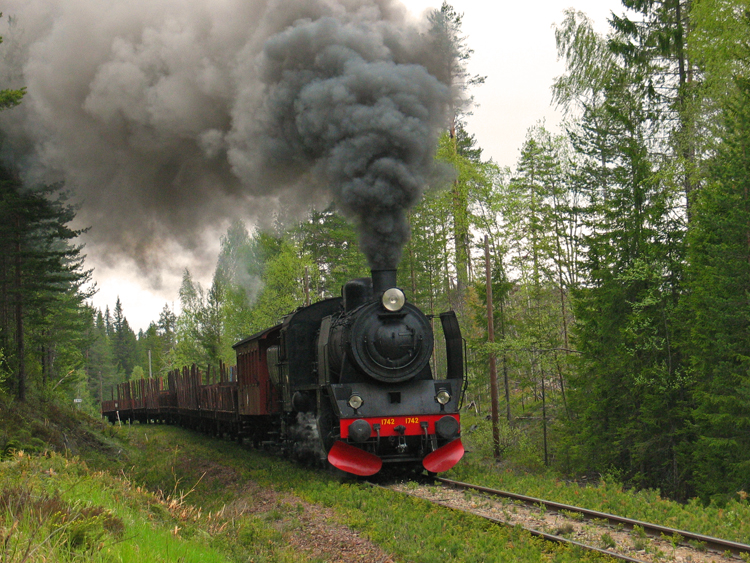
(622, 539)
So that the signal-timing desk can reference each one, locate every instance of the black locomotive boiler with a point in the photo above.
(347, 380)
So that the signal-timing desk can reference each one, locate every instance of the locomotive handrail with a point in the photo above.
(466, 374)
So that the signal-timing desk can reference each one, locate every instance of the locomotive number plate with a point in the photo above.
(392, 421)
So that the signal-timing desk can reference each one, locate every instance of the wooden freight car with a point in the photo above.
(259, 401)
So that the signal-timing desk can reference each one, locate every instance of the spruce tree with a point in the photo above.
(101, 370)
(41, 271)
(629, 393)
(719, 311)
(124, 343)
(657, 44)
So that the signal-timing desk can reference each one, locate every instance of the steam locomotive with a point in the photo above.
(347, 380)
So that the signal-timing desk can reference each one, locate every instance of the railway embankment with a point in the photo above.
(161, 493)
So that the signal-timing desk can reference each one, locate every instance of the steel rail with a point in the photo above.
(654, 530)
(532, 531)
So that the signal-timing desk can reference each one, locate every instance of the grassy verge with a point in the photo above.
(38, 427)
(164, 494)
(53, 508)
(158, 493)
(221, 476)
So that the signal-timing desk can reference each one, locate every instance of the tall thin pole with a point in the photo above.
(544, 421)
(491, 340)
(150, 373)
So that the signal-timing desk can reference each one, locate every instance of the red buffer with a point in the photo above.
(353, 460)
(442, 459)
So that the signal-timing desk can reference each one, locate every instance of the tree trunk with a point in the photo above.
(20, 344)
(683, 96)
(460, 241)
(491, 340)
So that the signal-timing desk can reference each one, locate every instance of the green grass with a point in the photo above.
(409, 529)
(53, 508)
(173, 495)
(159, 493)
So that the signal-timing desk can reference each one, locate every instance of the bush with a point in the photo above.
(519, 448)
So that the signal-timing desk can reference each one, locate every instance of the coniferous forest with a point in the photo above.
(619, 252)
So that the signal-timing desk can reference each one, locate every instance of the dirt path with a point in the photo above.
(313, 530)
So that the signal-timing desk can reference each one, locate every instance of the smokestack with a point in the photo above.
(382, 280)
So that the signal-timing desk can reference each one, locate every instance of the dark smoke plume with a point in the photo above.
(174, 116)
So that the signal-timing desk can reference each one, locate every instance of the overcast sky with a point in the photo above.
(514, 48)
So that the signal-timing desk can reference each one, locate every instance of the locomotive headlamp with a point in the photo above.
(443, 397)
(393, 299)
(355, 401)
